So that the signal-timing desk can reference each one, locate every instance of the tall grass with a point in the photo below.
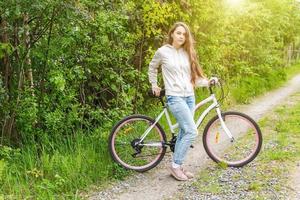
(46, 173)
(245, 88)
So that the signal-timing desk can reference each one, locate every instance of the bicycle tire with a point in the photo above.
(129, 122)
(243, 128)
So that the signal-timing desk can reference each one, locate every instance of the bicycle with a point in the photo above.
(139, 143)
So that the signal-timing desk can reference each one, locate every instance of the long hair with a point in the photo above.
(188, 46)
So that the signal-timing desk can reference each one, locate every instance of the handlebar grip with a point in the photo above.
(212, 82)
(162, 93)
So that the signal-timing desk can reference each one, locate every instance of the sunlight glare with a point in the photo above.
(234, 2)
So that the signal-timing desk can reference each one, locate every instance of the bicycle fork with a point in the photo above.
(227, 131)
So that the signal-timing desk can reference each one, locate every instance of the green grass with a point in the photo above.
(210, 186)
(268, 174)
(40, 174)
(255, 186)
(243, 89)
(292, 70)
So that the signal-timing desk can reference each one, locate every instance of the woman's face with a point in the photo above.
(178, 36)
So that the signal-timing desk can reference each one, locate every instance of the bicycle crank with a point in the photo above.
(135, 145)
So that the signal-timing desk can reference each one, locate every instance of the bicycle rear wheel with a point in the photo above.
(245, 146)
(129, 151)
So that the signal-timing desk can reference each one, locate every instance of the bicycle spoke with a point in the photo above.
(143, 156)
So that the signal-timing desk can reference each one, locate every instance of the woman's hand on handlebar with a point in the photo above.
(156, 90)
(213, 81)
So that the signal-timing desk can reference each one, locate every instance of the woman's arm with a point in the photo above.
(152, 72)
(204, 82)
(153, 68)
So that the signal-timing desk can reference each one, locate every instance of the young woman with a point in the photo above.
(181, 74)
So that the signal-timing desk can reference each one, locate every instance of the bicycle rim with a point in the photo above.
(148, 154)
(245, 146)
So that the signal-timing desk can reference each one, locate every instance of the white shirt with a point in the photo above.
(176, 70)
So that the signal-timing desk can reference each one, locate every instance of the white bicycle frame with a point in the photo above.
(165, 112)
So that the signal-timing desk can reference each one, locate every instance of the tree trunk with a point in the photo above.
(45, 65)
(135, 100)
(6, 77)
(9, 123)
(289, 54)
(6, 65)
(29, 75)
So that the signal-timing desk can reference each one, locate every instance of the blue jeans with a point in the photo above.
(183, 110)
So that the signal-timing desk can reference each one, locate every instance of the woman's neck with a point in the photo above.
(176, 46)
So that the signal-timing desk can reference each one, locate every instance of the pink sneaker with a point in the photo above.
(178, 174)
(187, 173)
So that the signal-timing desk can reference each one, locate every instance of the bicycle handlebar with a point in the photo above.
(163, 91)
(212, 84)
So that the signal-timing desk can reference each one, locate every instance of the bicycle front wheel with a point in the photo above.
(127, 149)
(242, 149)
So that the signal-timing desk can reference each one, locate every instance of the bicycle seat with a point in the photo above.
(162, 93)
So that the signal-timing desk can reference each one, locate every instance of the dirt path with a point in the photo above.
(158, 184)
(295, 184)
